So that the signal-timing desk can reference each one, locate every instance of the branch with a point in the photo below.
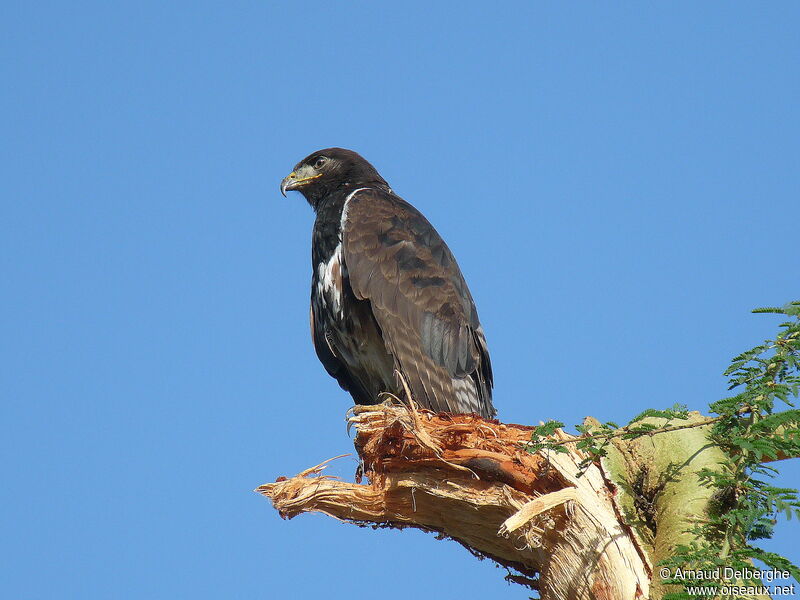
(628, 431)
(470, 479)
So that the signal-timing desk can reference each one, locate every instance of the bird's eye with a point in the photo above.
(319, 162)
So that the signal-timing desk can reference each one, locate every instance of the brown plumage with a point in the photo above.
(387, 295)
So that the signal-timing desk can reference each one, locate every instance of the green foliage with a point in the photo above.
(540, 438)
(750, 431)
(595, 438)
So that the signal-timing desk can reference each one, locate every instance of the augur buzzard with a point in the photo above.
(387, 296)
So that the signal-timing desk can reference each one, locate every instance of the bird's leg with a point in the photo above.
(389, 398)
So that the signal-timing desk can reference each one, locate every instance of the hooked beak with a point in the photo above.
(297, 179)
(288, 183)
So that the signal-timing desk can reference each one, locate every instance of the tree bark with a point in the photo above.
(595, 536)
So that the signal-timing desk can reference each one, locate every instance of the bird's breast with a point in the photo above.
(329, 283)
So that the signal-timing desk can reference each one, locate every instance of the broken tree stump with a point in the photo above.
(472, 480)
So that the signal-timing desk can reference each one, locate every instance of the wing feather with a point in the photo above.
(397, 261)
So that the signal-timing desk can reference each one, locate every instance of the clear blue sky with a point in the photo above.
(619, 183)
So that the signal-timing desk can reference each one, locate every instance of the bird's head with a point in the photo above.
(326, 171)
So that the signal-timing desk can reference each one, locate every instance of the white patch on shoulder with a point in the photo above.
(344, 210)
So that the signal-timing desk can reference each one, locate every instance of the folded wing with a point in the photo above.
(396, 260)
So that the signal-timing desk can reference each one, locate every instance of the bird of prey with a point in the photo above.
(389, 306)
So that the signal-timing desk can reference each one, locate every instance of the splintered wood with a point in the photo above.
(472, 480)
